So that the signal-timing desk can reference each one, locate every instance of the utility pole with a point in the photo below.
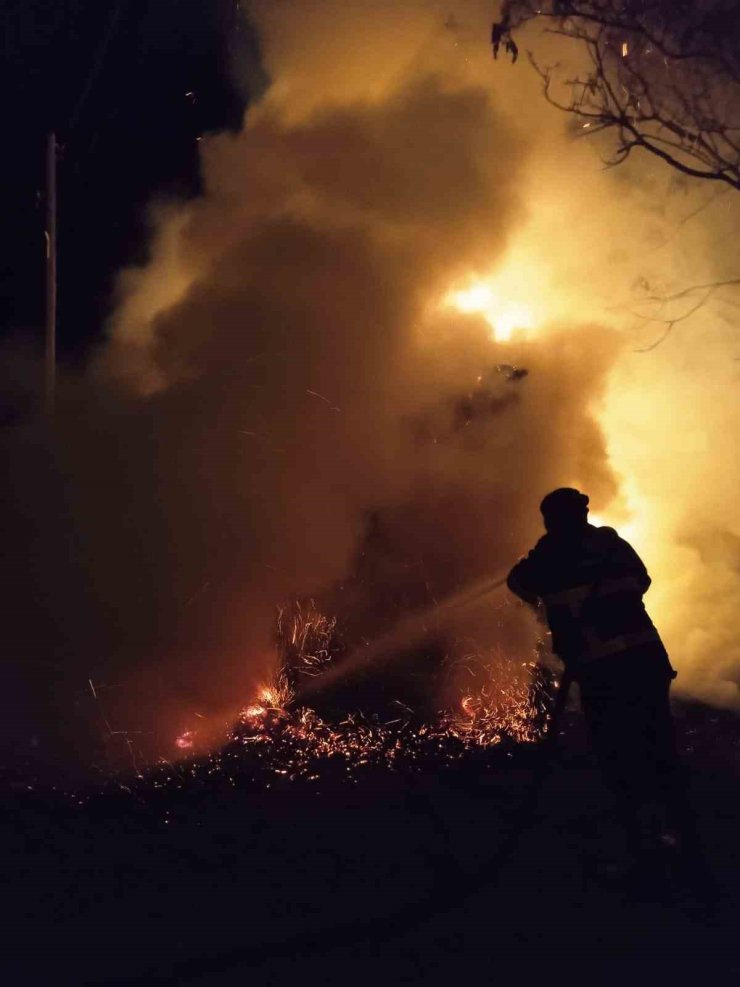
(50, 351)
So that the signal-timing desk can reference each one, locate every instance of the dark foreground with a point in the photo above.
(387, 880)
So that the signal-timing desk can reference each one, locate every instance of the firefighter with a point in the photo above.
(591, 583)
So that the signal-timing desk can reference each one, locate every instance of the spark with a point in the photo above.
(204, 586)
(322, 398)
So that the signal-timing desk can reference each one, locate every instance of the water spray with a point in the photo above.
(411, 629)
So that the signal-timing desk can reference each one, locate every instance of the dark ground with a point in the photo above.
(385, 880)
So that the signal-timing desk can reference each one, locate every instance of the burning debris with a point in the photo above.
(488, 399)
(500, 707)
(186, 741)
(306, 643)
(290, 739)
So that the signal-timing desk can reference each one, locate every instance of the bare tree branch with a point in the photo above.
(670, 323)
(707, 286)
(664, 78)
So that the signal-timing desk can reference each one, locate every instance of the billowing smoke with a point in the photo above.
(305, 379)
(308, 374)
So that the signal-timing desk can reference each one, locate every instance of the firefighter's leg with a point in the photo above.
(619, 726)
(670, 776)
(604, 719)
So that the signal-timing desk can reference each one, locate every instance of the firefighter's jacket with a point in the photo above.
(591, 585)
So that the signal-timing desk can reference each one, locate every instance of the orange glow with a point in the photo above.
(504, 316)
(186, 740)
(517, 297)
(292, 739)
(270, 695)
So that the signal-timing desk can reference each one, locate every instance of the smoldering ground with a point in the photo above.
(284, 374)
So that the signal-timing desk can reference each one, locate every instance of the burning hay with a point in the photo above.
(290, 739)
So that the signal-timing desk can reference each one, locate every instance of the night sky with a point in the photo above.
(112, 77)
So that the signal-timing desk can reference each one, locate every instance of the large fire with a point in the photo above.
(516, 298)
(503, 316)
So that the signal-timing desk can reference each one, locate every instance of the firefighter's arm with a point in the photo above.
(521, 581)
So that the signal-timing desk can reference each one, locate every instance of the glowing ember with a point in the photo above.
(294, 741)
(273, 695)
(297, 742)
(186, 740)
(278, 736)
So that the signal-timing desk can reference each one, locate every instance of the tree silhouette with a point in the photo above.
(661, 75)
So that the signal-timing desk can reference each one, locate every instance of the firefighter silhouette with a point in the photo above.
(591, 583)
